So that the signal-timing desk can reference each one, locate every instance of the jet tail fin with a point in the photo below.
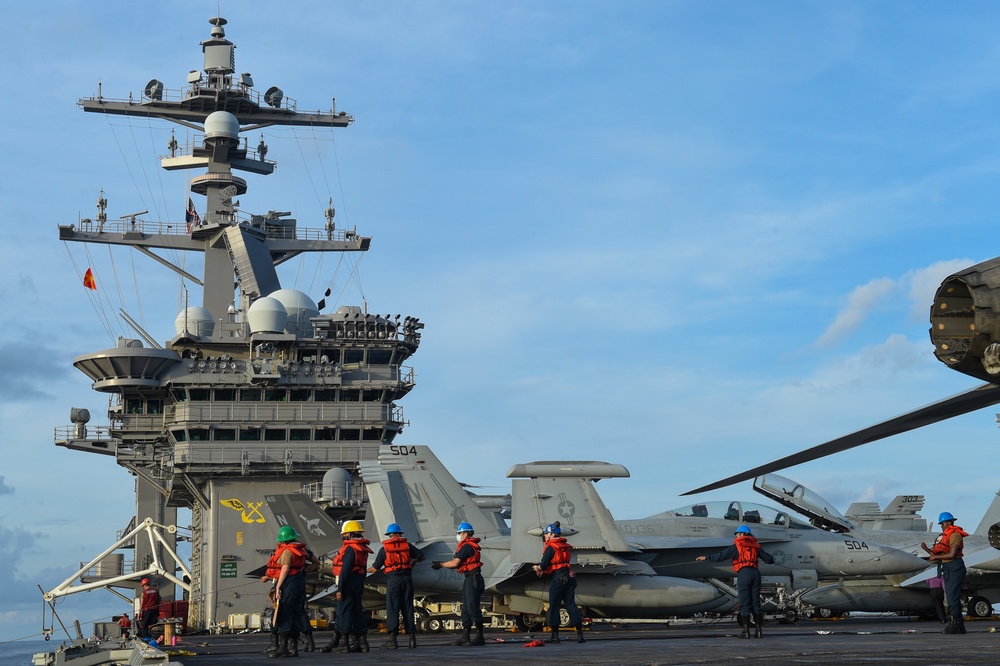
(317, 529)
(544, 492)
(990, 518)
(411, 487)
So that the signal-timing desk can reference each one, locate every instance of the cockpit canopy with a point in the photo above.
(738, 512)
(799, 498)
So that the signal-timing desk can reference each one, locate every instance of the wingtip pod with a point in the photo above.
(567, 470)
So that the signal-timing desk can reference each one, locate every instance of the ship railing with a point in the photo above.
(198, 141)
(263, 413)
(354, 495)
(196, 89)
(238, 454)
(162, 228)
(82, 431)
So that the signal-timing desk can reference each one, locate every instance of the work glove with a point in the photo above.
(435, 565)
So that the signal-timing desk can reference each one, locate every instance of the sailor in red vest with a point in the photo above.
(745, 552)
(468, 562)
(149, 609)
(350, 566)
(287, 568)
(126, 625)
(556, 555)
(947, 552)
(397, 557)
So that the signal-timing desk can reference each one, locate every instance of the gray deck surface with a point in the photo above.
(852, 641)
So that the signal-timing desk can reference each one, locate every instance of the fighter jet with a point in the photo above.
(411, 487)
(630, 568)
(982, 584)
(965, 331)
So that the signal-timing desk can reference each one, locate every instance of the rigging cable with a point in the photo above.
(98, 310)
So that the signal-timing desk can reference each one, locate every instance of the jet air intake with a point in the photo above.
(965, 321)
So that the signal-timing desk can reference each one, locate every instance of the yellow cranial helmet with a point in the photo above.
(351, 526)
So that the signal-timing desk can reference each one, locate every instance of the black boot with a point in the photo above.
(464, 640)
(350, 644)
(554, 637)
(744, 621)
(310, 643)
(282, 648)
(479, 639)
(391, 643)
(334, 643)
(579, 634)
(363, 642)
(293, 646)
(413, 638)
(758, 621)
(274, 644)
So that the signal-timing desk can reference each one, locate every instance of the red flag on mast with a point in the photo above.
(88, 280)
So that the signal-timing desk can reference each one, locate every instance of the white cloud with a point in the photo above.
(860, 302)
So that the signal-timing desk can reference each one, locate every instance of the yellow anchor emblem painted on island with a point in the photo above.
(247, 510)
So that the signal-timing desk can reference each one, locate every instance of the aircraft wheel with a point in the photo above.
(563, 618)
(789, 615)
(419, 616)
(825, 613)
(528, 622)
(435, 625)
(980, 607)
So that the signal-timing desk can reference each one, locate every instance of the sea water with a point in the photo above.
(19, 653)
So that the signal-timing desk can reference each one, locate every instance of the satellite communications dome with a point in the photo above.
(300, 309)
(222, 123)
(195, 320)
(267, 315)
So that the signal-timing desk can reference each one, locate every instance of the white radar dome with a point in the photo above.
(300, 309)
(267, 315)
(195, 320)
(222, 123)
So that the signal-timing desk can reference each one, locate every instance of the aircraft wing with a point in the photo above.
(963, 403)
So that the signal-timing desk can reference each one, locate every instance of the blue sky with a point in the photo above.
(688, 237)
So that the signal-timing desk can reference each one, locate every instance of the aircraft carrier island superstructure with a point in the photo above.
(258, 393)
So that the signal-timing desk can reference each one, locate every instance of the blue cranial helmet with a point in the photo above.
(945, 516)
(393, 529)
(743, 529)
(554, 529)
(464, 527)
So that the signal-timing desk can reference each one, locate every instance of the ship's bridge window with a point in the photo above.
(332, 355)
(250, 395)
(350, 395)
(275, 395)
(199, 394)
(325, 395)
(179, 435)
(298, 435)
(354, 356)
(179, 395)
(372, 434)
(133, 406)
(224, 434)
(249, 434)
(325, 434)
(225, 395)
(275, 435)
(371, 396)
(154, 406)
(350, 434)
(299, 395)
(379, 356)
(198, 434)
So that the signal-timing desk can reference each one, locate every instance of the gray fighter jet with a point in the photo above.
(628, 568)
(965, 330)
(906, 531)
